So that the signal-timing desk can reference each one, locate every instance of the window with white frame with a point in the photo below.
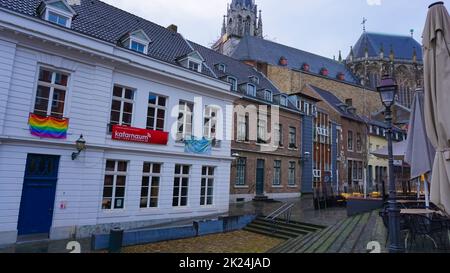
(241, 169)
(283, 101)
(195, 66)
(277, 173)
(58, 19)
(114, 185)
(262, 128)
(181, 185)
(358, 142)
(121, 107)
(350, 141)
(221, 67)
(233, 82)
(210, 122)
(156, 112)
(251, 90)
(254, 79)
(243, 128)
(207, 186)
(268, 95)
(292, 137)
(137, 46)
(185, 119)
(278, 134)
(291, 177)
(51, 93)
(151, 179)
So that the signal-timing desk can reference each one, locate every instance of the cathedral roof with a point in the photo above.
(108, 23)
(246, 3)
(403, 46)
(258, 49)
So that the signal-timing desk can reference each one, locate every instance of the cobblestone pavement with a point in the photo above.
(232, 242)
(303, 211)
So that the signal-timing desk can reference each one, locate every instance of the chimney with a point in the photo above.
(173, 28)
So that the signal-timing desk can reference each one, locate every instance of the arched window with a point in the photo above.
(247, 25)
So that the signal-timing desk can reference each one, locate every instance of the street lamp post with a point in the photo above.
(388, 89)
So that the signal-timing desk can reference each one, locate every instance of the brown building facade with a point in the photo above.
(267, 164)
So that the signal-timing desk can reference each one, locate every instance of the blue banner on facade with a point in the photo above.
(198, 146)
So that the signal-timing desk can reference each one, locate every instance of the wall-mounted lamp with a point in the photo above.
(235, 155)
(80, 145)
(306, 156)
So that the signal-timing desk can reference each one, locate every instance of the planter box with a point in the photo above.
(359, 205)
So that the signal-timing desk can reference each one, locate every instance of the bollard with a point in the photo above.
(115, 240)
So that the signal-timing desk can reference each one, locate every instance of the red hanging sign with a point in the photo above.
(131, 134)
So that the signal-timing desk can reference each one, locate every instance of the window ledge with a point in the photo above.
(293, 186)
(241, 187)
(277, 186)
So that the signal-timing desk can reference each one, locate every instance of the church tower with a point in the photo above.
(242, 19)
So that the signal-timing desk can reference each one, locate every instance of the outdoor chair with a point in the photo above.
(433, 229)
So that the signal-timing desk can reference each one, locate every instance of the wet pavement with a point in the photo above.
(303, 211)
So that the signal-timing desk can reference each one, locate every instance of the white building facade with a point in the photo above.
(91, 84)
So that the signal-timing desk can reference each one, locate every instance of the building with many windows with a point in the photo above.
(267, 133)
(101, 117)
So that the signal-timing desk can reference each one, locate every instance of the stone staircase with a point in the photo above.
(281, 229)
(348, 236)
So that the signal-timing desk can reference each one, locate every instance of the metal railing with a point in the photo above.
(285, 210)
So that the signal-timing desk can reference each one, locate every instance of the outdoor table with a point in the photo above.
(419, 211)
(410, 201)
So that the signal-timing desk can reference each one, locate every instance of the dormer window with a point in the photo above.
(284, 101)
(137, 41)
(221, 67)
(192, 61)
(194, 66)
(251, 90)
(57, 11)
(254, 79)
(233, 82)
(136, 46)
(268, 95)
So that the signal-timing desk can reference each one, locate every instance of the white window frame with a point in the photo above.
(180, 176)
(157, 108)
(52, 87)
(58, 12)
(278, 134)
(251, 90)
(292, 172)
(222, 67)
(150, 186)
(284, 101)
(234, 83)
(268, 95)
(115, 174)
(204, 187)
(262, 128)
(211, 118)
(277, 173)
(352, 148)
(138, 41)
(185, 111)
(290, 137)
(241, 173)
(242, 128)
(191, 61)
(123, 100)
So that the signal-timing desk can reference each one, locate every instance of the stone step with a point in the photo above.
(286, 247)
(298, 229)
(320, 237)
(341, 239)
(294, 224)
(266, 233)
(270, 229)
(310, 239)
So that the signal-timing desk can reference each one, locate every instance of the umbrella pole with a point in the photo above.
(427, 192)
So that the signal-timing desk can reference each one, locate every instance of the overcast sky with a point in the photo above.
(319, 26)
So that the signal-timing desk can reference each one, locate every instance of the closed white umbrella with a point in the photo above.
(436, 39)
(420, 152)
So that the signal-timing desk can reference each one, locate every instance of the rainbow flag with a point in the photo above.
(48, 127)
